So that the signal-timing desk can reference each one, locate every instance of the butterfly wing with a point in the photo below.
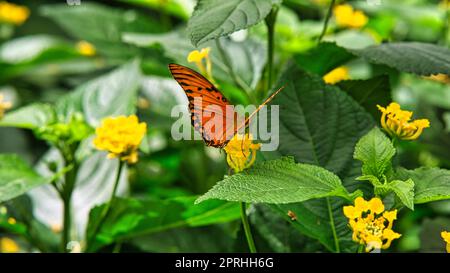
(205, 103)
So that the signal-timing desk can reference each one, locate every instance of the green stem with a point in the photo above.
(66, 194)
(107, 207)
(237, 80)
(248, 232)
(270, 23)
(333, 227)
(360, 249)
(327, 20)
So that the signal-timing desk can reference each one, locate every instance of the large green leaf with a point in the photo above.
(16, 177)
(247, 58)
(369, 93)
(212, 19)
(278, 181)
(207, 239)
(275, 229)
(130, 218)
(375, 150)
(109, 95)
(320, 125)
(323, 58)
(88, 22)
(431, 184)
(32, 116)
(413, 57)
(178, 8)
(40, 55)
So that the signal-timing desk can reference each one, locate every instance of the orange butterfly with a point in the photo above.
(204, 97)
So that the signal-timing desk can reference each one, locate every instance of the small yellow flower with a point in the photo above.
(396, 122)
(8, 245)
(371, 225)
(346, 16)
(446, 236)
(13, 14)
(85, 48)
(4, 105)
(241, 152)
(197, 57)
(12, 221)
(336, 75)
(121, 137)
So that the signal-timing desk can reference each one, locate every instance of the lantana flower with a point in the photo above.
(13, 14)
(397, 122)
(199, 58)
(85, 48)
(371, 224)
(120, 137)
(4, 105)
(347, 17)
(241, 152)
(8, 245)
(446, 236)
(336, 75)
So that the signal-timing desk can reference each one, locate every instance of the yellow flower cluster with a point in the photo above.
(8, 245)
(371, 225)
(336, 75)
(121, 137)
(346, 16)
(4, 105)
(396, 122)
(85, 48)
(197, 57)
(446, 236)
(13, 14)
(241, 152)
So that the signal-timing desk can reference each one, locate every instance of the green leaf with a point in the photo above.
(247, 58)
(404, 191)
(375, 150)
(320, 125)
(412, 57)
(209, 239)
(278, 181)
(323, 58)
(431, 184)
(33, 116)
(369, 93)
(212, 19)
(87, 22)
(109, 95)
(16, 177)
(130, 218)
(276, 230)
(28, 48)
(178, 8)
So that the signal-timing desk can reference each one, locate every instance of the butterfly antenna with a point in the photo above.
(247, 121)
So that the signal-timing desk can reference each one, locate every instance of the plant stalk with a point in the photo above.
(247, 230)
(327, 20)
(107, 207)
(270, 23)
(69, 185)
(333, 227)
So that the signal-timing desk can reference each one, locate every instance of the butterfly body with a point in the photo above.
(207, 106)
